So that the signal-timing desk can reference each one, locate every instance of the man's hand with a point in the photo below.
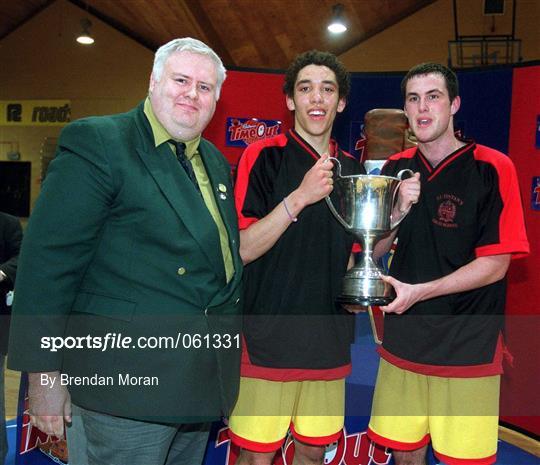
(409, 193)
(317, 182)
(406, 295)
(50, 403)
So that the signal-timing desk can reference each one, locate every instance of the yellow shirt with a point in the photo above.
(161, 136)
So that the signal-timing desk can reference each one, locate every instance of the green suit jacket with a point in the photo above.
(121, 243)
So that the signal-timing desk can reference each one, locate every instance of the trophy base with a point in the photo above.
(365, 301)
(364, 286)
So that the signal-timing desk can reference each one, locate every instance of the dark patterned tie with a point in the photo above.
(184, 161)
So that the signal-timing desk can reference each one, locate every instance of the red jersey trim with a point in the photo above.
(512, 235)
(253, 445)
(332, 147)
(518, 249)
(463, 371)
(245, 164)
(406, 446)
(301, 142)
(426, 163)
(450, 159)
(347, 154)
(248, 370)
(409, 153)
(245, 222)
(316, 441)
(434, 171)
(455, 461)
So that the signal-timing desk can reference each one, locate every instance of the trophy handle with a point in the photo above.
(336, 214)
(338, 165)
(405, 171)
(329, 202)
(400, 174)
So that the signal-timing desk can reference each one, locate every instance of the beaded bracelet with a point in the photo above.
(294, 219)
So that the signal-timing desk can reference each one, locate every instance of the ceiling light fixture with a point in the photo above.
(337, 26)
(85, 38)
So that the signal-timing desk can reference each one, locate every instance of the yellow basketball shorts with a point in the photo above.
(265, 410)
(459, 415)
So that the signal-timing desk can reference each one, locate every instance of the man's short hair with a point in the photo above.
(422, 69)
(187, 44)
(316, 57)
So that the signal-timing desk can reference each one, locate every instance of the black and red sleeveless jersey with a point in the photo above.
(292, 327)
(469, 207)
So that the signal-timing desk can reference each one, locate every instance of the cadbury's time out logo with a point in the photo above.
(244, 131)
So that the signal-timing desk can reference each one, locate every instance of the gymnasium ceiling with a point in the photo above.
(245, 33)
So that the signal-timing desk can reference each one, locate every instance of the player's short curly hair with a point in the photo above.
(422, 69)
(316, 57)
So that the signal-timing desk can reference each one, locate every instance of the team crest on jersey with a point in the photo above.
(447, 210)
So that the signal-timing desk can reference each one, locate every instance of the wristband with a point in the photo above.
(294, 219)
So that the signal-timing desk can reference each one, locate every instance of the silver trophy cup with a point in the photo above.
(364, 209)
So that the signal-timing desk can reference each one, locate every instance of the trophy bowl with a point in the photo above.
(364, 209)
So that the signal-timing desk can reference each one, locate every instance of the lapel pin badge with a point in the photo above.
(222, 191)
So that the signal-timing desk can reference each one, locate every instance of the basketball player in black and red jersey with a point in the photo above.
(297, 340)
(442, 351)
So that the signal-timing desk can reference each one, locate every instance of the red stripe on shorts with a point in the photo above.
(316, 441)
(254, 446)
(455, 461)
(397, 444)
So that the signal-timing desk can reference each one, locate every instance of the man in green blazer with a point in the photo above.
(127, 301)
(10, 244)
